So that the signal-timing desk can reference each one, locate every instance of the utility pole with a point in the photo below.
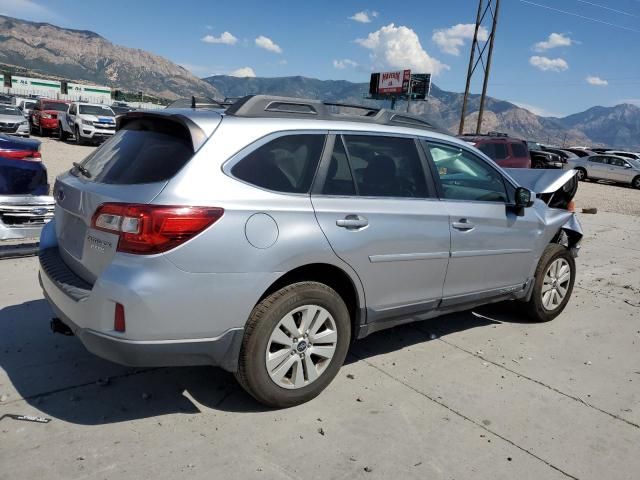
(487, 12)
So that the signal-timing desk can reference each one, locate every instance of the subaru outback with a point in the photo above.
(264, 240)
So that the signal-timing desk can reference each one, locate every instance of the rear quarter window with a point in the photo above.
(519, 150)
(286, 164)
(495, 151)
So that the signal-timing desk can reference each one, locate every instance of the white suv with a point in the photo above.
(87, 122)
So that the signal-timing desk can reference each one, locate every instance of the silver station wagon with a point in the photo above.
(265, 239)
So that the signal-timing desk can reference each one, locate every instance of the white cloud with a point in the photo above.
(363, 16)
(596, 81)
(449, 40)
(555, 40)
(268, 44)
(28, 9)
(399, 47)
(540, 111)
(225, 38)
(549, 64)
(344, 63)
(243, 72)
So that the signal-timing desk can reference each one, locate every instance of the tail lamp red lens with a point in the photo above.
(119, 323)
(148, 229)
(28, 155)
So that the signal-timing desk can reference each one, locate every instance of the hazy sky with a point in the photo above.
(556, 60)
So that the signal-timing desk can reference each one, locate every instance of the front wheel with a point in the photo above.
(581, 173)
(79, 139)
(554, 278)
(62, 135)
(295, 342)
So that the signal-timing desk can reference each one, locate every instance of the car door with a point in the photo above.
(380, 214)
(492, 248)
(71, 117)
(597, 167)
(618, 170)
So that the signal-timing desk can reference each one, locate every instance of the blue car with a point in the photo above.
(24, 202)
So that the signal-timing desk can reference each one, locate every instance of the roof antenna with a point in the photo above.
(193, 102)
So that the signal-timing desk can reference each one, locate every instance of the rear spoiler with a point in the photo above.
(170, 123)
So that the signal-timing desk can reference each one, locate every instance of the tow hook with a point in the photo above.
(58, 326)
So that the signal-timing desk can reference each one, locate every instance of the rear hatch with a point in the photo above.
(132, 167)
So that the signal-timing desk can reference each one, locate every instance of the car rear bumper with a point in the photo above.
(222, 351)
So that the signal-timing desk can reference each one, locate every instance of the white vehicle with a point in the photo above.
(621, 153)
(87, 122)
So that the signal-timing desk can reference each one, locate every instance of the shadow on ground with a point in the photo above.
(57, 376)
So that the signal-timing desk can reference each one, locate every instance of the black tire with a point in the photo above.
(635, 183)
(41, 131)
(535, 308)
(252, 371)
(581, 173)
(62, 135)
(537, 164)
(79, 139)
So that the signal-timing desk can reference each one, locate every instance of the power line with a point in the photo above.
(580, 16)
(608, 8)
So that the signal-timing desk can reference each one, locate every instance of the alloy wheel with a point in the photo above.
(301, 346)
(555, 284)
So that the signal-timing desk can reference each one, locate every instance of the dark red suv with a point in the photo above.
(506, 151)
(44, 115)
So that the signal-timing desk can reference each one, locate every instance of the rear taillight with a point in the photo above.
(149, 229)
(27, 155)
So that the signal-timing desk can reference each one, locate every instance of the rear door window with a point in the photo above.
(386, 166)
(286, 164)
(143, 152)
(495, 151)
(519, 150)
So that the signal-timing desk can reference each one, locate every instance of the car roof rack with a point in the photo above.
(267, 106)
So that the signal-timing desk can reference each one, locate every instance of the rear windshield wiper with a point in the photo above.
(82, 170)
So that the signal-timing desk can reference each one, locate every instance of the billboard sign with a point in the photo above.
(394, 82)
(420, 85)
(94, 92)
(36, 85)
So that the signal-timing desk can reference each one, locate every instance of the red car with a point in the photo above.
(506, 151)
(44, 115)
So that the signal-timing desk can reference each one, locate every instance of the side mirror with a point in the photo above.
(523, 197)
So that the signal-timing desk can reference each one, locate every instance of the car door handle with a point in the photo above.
(352, 222)
(464, 225)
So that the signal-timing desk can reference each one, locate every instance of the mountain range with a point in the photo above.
(47, 50)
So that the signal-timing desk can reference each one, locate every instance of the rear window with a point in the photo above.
(286, 164)
(519, 150)
(144, 152)
(495, 151)
(60, 107)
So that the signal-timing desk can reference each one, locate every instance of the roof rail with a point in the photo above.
(267, 106)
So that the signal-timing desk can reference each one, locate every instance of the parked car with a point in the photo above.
(87, 122)
(12, 121)
(266, 239)
(619, 153)
(541, 158)
(6, 99)
(608, 167)
(599, 150)
(25, 106)
(564, 154)
(44, 116)
(119, 109)
(581, 152)
(506, 151)
(24, 202)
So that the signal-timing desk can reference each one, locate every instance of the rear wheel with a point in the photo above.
(295, 342)
(553, 285)
(635, 183)
(581, 173)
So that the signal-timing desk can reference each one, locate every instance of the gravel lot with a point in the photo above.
(479, 394)
(58, 156)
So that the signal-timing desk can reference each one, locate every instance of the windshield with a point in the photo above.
(28, 105)
(60, 107)
(5, 110)
(96, 110)
(534, 146)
